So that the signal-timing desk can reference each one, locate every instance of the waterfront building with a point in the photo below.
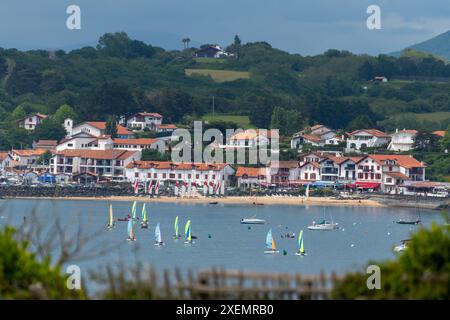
(402, 140)
(250, 177)
(366, 138)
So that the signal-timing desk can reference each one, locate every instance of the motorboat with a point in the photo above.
(252, 221)
(323, 225)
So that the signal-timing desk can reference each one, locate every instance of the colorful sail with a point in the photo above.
(300, 242)
(133, 210)
(175, 226)
(144, 213)
(187, 230)
(130, 229)
(158, 237)
(270, 244)
(111, 218)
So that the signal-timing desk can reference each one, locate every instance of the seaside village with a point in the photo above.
(89, 156)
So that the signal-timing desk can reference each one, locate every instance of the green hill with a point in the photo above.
(438, 46)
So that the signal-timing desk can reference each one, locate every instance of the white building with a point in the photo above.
(6, 160)
(140, 144)
(26, 158)
(366, 138)
(168, 173)
(100, 163)
(388, 172)
(30, 122)
(142, 120)
(250, 177)
(251, 138)
(318, 135)
(402, 140)
(95, 128)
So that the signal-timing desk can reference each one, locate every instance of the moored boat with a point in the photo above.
(270, 244)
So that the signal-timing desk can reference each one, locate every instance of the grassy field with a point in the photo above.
(219, 75)
(242, 121)
(433, 116)
(210, 60)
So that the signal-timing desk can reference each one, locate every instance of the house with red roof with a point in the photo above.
(108, 164)
(402, 140)
(366, 138)
(201, 176)
(142, 120)
(318, 135)
(388, 172)
(32, 121)
(250, 176)
(96, 129)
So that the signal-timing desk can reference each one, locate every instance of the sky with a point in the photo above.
(306, 27)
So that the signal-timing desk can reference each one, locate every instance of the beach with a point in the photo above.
(298, 201)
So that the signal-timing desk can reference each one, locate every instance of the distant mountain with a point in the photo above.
(438, 46)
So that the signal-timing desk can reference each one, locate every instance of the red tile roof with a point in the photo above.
(312, 137)
(150, 114)
(166, 126)
(141, 141)
(440, 133)
(405, 161)
(3, 155)
(177, 166)
(97, 154)
(29, 152)
(101, 125)
(398, 175)
(374, 132)
(249, 171)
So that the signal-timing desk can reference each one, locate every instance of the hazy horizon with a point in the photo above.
(302, 27)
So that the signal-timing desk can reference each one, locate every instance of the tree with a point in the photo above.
(154, 155)
(287, 121)
(44, 158)
(426, 142)
(111, 126)
(19, 113)
(49, 129)
(360, 122)
(445, 141)
(65, 111)
(23, 276)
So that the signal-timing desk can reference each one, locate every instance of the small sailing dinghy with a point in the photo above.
(177, 235)
(111, 223)
(144, 223)
(270, 244)
(188, 233)
(130, 231)
(133, 210)
(158, 238)
(301, 248)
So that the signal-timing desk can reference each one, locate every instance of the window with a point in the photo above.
(378, 167)
(313, 176)
(164, 175)
(213, 176)
(360, 175)
(389, 180)
(179, 176)
(136, 174)
(197, 176)
(149, 175)
(189, 176)
(206, 177)
(155, 175)
(378, 176)
(172, 175)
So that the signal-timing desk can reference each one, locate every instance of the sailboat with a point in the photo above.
(111, 223)
(188, 232)
(144, 223)
(175, 226)
(133, 210)
(158, 238)
(270, 244)
(130, 231)
(301, 248)
(324, 225)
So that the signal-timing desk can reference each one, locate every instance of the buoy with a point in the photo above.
(389, 233)
(249, 227)
(209, 236)
(284, 252)
(352, 245)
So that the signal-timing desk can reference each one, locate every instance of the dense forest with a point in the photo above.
(121, 76)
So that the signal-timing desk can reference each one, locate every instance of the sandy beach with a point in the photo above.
(324, 201)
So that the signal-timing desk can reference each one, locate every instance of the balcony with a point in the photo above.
(329, 171)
